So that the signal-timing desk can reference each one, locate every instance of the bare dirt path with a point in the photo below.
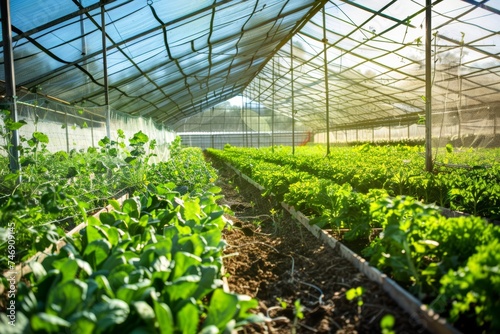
(272, 258)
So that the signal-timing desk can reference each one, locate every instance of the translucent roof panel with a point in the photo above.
(166, 59)
(375, 68)
(171, 59)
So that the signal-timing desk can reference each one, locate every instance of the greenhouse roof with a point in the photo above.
(165, 59)
(376, 63)
(172, 59)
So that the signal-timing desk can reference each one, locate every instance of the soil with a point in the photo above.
(274, 259)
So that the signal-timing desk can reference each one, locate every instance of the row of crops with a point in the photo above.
(451, 264)
(152, 264)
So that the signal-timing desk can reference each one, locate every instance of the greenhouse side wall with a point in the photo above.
(243, 139)
(477, 126)
(78, 128)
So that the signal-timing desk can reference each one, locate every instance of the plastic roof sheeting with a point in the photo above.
(167, 59)
(171, 59)
(376, 62)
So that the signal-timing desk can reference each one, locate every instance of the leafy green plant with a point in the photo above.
(473, 290)
(57, 187)
(401, 249)
(418, 247)
(397, 169)
(151, 265)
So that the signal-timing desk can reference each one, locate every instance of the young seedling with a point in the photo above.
(387, 324)
(356, 294)
(298, 314)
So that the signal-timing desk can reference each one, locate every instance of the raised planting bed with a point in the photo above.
(272, 257)
(447, 263)
(397, 170)
(402, 268)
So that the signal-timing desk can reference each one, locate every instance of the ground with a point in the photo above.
(272, 258)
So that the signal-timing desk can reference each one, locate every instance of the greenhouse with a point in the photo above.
(257, 166)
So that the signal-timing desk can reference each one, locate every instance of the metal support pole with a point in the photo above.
(492, 110)
(10, 86)
(325, 56)
(82, 31)
(66, 125)
(428, 87)
(459, 117)
(211, 121)
(258, 117)
(293, 97)
(272, 111)
(242, 123)
(105, 72)
(92, 129)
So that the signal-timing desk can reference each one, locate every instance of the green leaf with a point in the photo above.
(96, 252)
(387, 324)
(103, 142)
(70, 268)
(11, 176)
(119, 275)
(212, 235)
(127, 292)
(181, 289)
(165, 319)
(110, 312)
(193, 244)
(354, 293)
(298, 309)
(188, 317)
(214, 190)
(91, 232)
(107, 218)
(145, 311)
(183, 261)
(350, 294)
(139, 139)
(66, 298)
(12, 126)
(37, 269)
(449, 148)
(246, 303)
(41, 137)
(114, 237)
(103, 284)
(223, 307)
(83, 323)
(132, 207)
(48, 323)
(208, 281)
